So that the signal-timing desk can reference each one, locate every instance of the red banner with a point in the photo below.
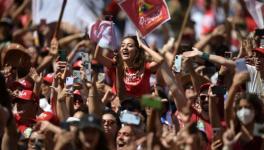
(146, 15)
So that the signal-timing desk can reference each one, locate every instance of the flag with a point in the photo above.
(255, 8)
(78, 13)
(103, 33)
(146, 15)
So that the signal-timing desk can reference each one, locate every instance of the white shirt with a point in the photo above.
(255, 85)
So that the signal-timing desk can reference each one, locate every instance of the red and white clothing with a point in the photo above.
(136, 81)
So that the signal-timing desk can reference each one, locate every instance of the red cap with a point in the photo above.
(204, 86)
(25, 95)
(45, 116)
(77, 64)
(77, 92)
(49, 78)
(23, 83)
(261, 50)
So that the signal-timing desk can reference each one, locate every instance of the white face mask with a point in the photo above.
(245, 115)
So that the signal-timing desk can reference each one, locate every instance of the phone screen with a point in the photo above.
(177, 63)
(62, 55)
(129, 118)
(77, 76)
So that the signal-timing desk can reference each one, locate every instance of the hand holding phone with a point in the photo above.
(77, 76)
(62, 55)
(87, 66)
(177, 63)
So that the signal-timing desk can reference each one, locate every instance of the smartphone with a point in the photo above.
(62, 55)
(228, 55)
(241, 65)
(69, 83)
(87, 66)
(153, 102)
(259, 32)
(218, 90)
(258, 129)
(177, 63)
(261, 43)
(77, 76)
(128, 117)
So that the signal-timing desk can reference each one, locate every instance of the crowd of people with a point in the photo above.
(202, 91)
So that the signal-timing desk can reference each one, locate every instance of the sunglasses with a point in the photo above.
(203, 97)
(109, 122)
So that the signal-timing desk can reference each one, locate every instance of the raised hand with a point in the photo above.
(194, 53)
(54, 46)
(240, 78)
(230, 137)
(35, 76)
(220, 30)
(140, 43)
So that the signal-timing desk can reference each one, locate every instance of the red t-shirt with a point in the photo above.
(136, 84)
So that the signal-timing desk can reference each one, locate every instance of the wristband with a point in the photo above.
(205, 56)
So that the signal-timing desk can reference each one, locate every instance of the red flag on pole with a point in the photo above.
(103, 33)
(146, 15)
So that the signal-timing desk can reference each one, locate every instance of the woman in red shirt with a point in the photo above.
(136, 69)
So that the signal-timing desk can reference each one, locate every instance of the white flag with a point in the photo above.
(255, 8)
(79, 13)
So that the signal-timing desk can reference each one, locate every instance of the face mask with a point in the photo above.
(245, 115)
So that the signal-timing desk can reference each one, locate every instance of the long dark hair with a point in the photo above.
(256, 103)
(139, 59)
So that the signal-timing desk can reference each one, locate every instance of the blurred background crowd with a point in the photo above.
(194, 83)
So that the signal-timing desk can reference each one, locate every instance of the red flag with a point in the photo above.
(146, 15)
(103, 33)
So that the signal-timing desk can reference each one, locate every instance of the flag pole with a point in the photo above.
(179, 38)
(60, 18)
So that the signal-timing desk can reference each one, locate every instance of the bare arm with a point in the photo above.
(158, 59)
(205, 40)
(83, 43)
(94, 104)
(120, 85)
(20, 9)
(98, 55)
(212, 58)
(174, 86)
(66, 40)
(238, 79)
(62, 110)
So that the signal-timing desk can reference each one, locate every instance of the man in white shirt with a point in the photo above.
(256, 72)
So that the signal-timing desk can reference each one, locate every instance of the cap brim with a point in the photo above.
(261, 50)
